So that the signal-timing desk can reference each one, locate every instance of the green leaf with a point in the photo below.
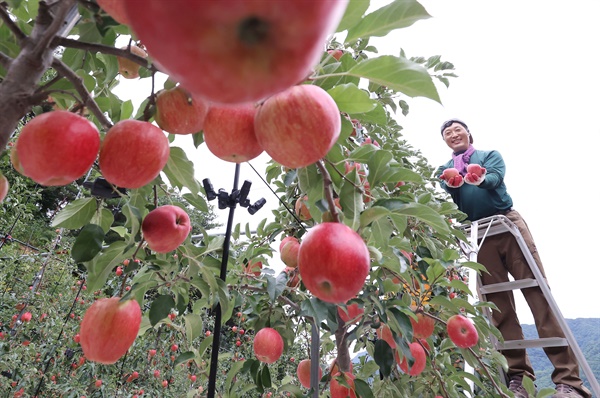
(88, 243)
(231, 373)
(314, 308)
(104, 218)
(266, 377)
(126, 109)
(418, 211)
(193, 326)
(379, 165)
(397, 73)
(398, 14)
(275, 286)
(353, 14)
(351, 99)
(373, 214)
(351, 200)
(160, 308)
(101, 266)
(384, 357)
(180, 171)
(197, 201)
(76, 214)
(184, 357)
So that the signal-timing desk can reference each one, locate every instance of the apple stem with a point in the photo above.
(327, 183)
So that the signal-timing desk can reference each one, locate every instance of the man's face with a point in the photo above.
(456, 137)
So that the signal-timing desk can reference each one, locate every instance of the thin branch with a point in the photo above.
(86, 97)
(328, 191)
(101, 48)
(5, 17)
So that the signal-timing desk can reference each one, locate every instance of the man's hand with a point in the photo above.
(452, 177)
(475, 174)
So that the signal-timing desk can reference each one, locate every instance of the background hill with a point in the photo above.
(587, 334)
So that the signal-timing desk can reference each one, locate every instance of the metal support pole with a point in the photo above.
(315, 346)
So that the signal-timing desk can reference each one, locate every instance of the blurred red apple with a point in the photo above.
(229, 132)
(128, 68)
(253, 267)
(289, 253)
(234, 51)
(461, 331)
(423, 326)
(133, 153)
(420, 360)
(353, 312)
(385, 333)
(178, 112)
(116, 9)
(109, 328)
(268, 345)
(4, 185)
(303, 373)
(298, 126)
(165, 228)
(334, 262)
(56, 148)
(338, 389)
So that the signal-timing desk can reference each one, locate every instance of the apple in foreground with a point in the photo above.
(133, 153)
(461, 331)
(303, 373)
(56, 148)
(4, 185)
(334, 262)
(420, 360)
(229, 132)
(179, 112)
(130, 69)
(234, 51)
(298, 126)
(116, 9)
(165, 228)
(423, 327)
(268, 345)
(109, 328)
(339, 389)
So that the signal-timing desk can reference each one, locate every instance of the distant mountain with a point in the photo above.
(587, 334)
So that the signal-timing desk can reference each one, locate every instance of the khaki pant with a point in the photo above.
(502, 255)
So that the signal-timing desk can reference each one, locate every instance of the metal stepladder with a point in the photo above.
(494, 225)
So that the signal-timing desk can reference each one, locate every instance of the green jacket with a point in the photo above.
(486, 199)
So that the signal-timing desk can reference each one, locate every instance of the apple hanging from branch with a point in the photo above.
(179, 112)
(165, 228)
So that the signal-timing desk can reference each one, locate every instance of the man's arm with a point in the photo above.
(494, 164)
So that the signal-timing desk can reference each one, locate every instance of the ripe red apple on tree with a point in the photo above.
(229, 132)
(179, 112)
(268, 345)
(165, 228)
(56, 148)
(334, 262)
(133, 153)
(353, 312)
(423, 327)
(116, 9)
(234, 51)
(298, 126)
(461, 331)
(128, 68)
(109, 328)
(253, 267)
(303, 373)
(420, 360)
(336, 53)
(385, 333)
(289, 252)
(337, 389)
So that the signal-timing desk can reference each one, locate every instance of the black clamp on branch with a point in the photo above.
(240, 196)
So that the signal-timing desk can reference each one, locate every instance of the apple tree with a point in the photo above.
(372, 311)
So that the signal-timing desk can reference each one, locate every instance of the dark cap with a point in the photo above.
(449, 123)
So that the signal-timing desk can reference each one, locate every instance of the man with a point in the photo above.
(482, 193)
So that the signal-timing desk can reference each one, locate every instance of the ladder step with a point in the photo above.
(510, 285)
(533, 343)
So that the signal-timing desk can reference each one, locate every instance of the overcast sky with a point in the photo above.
(527, 87)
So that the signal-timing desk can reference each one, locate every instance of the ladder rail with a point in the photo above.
(499, 224)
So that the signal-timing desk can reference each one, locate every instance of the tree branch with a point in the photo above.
(85, 95)
(5, 60)
(328, 190)
(5, 17)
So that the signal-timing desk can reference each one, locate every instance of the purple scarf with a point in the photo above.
(461, 160)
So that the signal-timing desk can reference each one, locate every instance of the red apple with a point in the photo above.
(128, 68)
(302, 209)
(116, 9)
(4, 185)
(253, 267)
(338, 389)
(165, 228)
(385, 333)
(234, 51)
(268, 345)
(56, 148)
(303, 373)
(337, 53)
(26, 317)
(334, 262)
(353, 312)
(133, 153)
(229, 132)
(298, 126)
(179, 112)
(289, 253)
(109, 328)
(423, 326)
(286, 240)
(418, 353)
(293, 277)
(461, 331)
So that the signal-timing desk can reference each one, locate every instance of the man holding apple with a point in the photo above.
(475, 181)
